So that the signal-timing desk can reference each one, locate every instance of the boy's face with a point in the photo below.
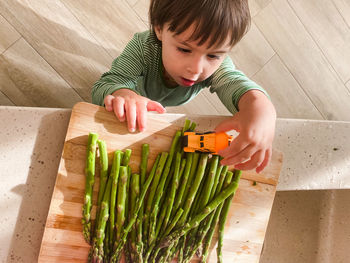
(185, 61)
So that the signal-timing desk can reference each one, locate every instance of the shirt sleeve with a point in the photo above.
(230, 84)
(124, 73)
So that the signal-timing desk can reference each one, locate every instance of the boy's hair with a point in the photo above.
(214, 20)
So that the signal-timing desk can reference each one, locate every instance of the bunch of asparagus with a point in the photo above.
(170, 212)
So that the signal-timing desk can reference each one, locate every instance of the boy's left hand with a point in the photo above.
(255, 122)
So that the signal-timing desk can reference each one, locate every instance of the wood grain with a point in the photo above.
(63, 240)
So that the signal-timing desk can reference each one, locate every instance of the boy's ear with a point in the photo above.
(158, 31)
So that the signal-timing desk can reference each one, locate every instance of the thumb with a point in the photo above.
(155, 106)
(228, 124)
(108, 101)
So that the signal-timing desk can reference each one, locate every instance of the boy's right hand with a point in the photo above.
(128, 105)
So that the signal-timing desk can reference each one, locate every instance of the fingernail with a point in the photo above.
(132, 129)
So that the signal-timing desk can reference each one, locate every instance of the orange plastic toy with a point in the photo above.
(210, 142)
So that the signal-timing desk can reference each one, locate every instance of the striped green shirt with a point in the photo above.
(139, 68)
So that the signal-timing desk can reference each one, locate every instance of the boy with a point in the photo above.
(185, 51)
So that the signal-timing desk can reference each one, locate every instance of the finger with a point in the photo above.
(108, 101)
(118, 107)
(236, 146)
(228, 124)
(254, 162)
(241, 157)
(130, 108)
(141, 116)
(268, 154)
(155, 106)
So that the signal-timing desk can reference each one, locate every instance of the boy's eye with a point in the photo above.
(184, 50)
(213, 56)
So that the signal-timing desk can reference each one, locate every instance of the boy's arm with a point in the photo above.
(116, 89)
(254, 118)
(125, 71)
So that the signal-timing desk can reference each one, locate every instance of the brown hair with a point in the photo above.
(214, 20)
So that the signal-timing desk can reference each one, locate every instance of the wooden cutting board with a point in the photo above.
(63, 239)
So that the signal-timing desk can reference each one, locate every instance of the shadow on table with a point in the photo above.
(37, 191)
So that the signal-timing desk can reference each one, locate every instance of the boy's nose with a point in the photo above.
(195, 67)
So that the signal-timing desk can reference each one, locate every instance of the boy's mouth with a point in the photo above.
(187, 82)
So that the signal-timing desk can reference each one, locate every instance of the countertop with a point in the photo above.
(316, 156)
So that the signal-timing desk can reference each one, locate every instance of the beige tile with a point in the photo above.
(53, 31)
(256, 5)
(252, 52)
(304, 60)
(288, 97)
(112, 25)
(141, 8)
(8, 35)
(28, 80)
(4, 100)
(343, 7)
(132, 2)
(348, 85)
(329, 30)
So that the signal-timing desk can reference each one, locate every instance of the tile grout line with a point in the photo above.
(13, 43)
(92, 35)
(8, 98)
(336, 7)
(290, 72)
(37, 52)
(316, 43)
(133, 9)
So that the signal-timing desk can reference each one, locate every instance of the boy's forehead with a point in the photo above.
(185, 39)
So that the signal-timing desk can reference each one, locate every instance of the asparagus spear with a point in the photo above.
(195, 221)
(143, 172)
(151, 194)
(117, 252)
(135, 192)
(172, 193)
(98, 249)
(102, 147)
(196, 235)
(223, 217)
(90, 180)
(167, 207)
(192, 174)
(126, 157)
(197, 180)
(121, 203)
(104, 169)
(178, 199)
(114, 176)
(160, 188)
(206, 225)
